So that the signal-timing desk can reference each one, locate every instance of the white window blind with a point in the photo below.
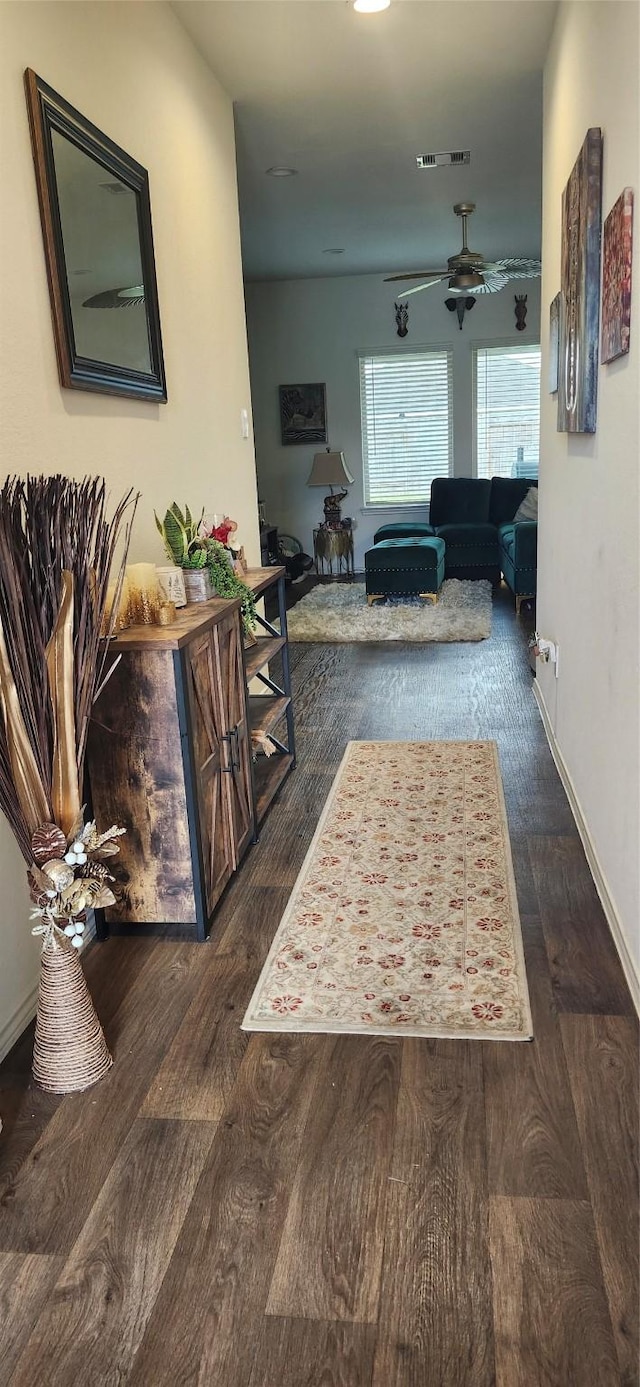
(405, 401)
(507, 410)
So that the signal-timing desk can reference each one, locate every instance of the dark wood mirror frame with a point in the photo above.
(48, 112)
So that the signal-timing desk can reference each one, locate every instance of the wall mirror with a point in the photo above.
(98, 243)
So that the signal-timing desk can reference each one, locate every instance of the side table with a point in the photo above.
(333, 544)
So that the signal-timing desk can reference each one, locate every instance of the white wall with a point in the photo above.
(589, 498)
(312, 330)
(132, 70)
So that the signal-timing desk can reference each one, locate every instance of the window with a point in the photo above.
(507, 383)
(405, 401)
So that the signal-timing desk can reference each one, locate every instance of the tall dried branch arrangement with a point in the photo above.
(57, 551)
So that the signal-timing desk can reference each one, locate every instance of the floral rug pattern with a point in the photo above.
(404, 918)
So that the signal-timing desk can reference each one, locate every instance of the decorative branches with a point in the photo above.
(57, 548)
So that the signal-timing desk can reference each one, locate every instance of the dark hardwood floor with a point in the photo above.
(340, 1211)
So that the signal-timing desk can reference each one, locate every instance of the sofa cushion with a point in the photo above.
(474, 534)
(405, 530)
(420, 552)
(460, 500)
(528, 509)
(507, 538)
(525, 544)
(472, 550)
(506, 495)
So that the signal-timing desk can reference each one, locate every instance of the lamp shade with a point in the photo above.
(329, 469)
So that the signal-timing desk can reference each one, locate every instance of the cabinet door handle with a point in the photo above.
(229, 738)
(228, 769)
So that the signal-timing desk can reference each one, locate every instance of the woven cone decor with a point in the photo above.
(57, 551)
(69, 1052)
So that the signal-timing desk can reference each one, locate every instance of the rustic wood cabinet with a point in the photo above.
(169, 759)
(271, 707)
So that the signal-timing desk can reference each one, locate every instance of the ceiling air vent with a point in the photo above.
(437, 161)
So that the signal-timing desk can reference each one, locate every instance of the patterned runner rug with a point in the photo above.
(404, 918)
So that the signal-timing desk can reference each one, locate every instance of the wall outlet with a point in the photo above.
(547, 651)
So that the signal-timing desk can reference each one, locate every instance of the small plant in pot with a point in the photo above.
(182, 540)
(207, 564)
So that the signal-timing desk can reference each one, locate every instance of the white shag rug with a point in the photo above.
(339, 612)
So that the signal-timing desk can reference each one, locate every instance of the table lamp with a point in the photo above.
(330, 469)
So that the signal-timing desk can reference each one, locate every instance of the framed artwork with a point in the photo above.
(616, 277)
(98, 244)
(554, 343)
(580, 283)
(303, 413)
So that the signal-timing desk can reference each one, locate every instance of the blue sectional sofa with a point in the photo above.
(475, 518)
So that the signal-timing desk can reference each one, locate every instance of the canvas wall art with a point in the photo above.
(616, 277)
(580, 270)
(554, 343)
(303, 413)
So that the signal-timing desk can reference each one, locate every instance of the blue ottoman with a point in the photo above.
(405, 568)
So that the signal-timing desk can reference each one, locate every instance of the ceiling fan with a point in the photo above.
(468, 272)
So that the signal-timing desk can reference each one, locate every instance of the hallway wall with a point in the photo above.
(589, 538)
(134, 72)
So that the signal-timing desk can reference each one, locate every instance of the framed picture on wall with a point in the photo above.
(303, 413)
(616, 277)
(554, 342)
(580, 283)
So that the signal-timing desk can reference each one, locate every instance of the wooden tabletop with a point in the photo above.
(259, 579)
(195, 617)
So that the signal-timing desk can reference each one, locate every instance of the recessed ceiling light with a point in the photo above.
(370, 6)
(334, 250)
(279, 171)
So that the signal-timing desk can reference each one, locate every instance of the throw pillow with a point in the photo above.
(528, 509)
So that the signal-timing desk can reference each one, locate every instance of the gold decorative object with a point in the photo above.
(333, 544)
(118, 621)
(168, 613)
(144, 594)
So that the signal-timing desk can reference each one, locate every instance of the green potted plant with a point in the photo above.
(207, 564)
(181, 538)
(227, 582)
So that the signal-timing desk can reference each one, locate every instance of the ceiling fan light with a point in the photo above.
(467, 279)
(370, 6)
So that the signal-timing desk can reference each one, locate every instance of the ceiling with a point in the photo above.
(349, 100)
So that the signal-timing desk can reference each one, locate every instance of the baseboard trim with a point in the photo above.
(13, 1028)
(630, 969)
(24, 1014)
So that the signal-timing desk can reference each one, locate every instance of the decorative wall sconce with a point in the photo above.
(521, 312)
(461, 305)
(402, 318)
